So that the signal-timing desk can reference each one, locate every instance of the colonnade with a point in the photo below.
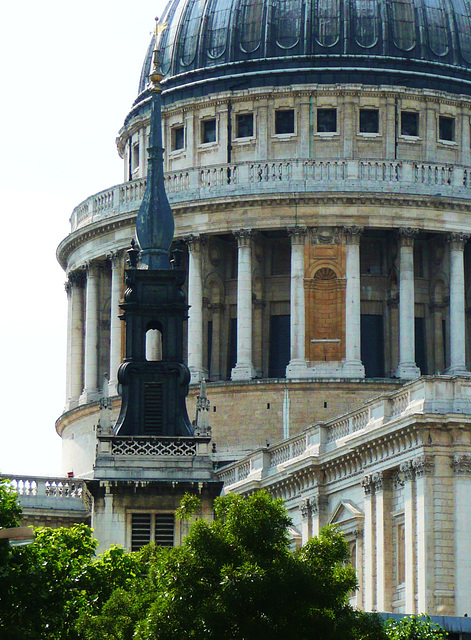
(84, 386)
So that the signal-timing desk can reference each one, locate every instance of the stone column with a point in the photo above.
(407, 477)
(244, 369)
(457, 304)
(115, 258)
(297, 367)
(423, 467)
(462, 526)
(407, 368)
(74, 372)
(306, 514)
(90, 391)
(369, 547)
(318, 506)
(195, 301)
(353, 365)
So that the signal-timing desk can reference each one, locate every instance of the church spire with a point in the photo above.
(155, 225)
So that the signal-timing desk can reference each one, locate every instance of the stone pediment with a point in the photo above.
(346, 512)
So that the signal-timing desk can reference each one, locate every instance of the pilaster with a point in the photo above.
(423, 467)
(369, 546)
(461, 466)
(75, 337)
(407, 473)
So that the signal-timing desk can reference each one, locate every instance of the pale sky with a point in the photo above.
(69, 74)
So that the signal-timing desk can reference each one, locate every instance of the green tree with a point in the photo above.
(414, 628)
(10, 510)
(236, 578)
(48, 583)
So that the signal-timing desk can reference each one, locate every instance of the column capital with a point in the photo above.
(406, 472)
(406, 236)
(379, 481)
(457, 240)
(115, 258)
(244, 237)
(297, 234)
(461, 465)
(92, 268)
(353, 234)
(367, 484)
(318, 504)
(423, 466)
(194, 242)
(75, 279)
(306, 508)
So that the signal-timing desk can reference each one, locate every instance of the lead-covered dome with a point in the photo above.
(228, 44)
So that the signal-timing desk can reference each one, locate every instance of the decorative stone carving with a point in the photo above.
(326, 235)
(297, 234)
(194, 242)
(423, 466)
(243, 237)
(378, 480)
(367, 484)
(353, 234)
(406, 236)
(461, 465)
(306, 508)
(406, 470)
(318, 504)
(458, 240)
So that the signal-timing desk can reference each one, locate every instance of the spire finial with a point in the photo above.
(155, 225)
(156, 74)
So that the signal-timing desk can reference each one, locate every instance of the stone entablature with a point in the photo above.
(297, 175)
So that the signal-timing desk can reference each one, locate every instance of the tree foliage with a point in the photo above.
(236, 578)
(45, 585)
(414, 628)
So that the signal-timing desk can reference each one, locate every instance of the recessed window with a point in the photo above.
(244, 125)
(208, 131)
(284, 121)
(327, 120)
(369, 121)
(178, 138)
(135, 157)
(409, 123)
(446, 128)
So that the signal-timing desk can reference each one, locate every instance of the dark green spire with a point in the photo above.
(155, 225)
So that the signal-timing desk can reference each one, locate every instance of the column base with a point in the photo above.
(244, 371)
(197, 375)
(89, 395)
(353, 369)
(298, 369)
(457, 370)
(407, 371)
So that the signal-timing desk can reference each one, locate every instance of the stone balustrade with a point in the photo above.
(297, 175)
(36, 492)
(430, 394)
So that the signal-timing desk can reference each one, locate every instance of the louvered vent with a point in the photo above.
(153, 425)
(140, 530)
(164, 529)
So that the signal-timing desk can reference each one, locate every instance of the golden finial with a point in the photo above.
(156, 74)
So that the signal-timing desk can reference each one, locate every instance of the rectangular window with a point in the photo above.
(409, 123)
(208, 131)
(446, 128)
(178, 138)
(326, 120)
(152, 527)
(369, 121)
(244, 125)
(284, 122)
(135, 156)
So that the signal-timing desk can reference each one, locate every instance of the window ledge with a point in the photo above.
(447, 143)
(364, 134)
(410, 139)
(327, 134)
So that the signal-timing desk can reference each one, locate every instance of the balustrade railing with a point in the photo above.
(295, 175)
(51, 491)
(439, 394)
